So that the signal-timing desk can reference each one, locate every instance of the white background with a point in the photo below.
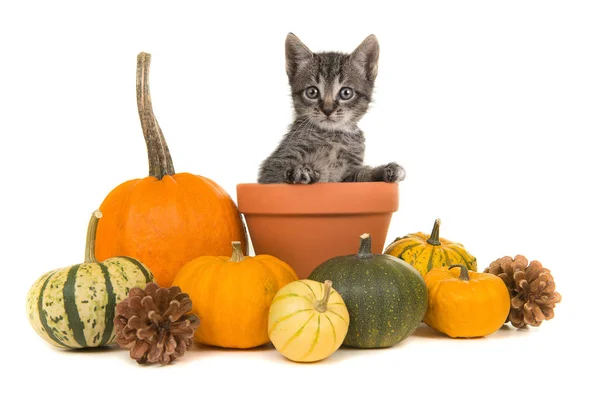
(492, 107)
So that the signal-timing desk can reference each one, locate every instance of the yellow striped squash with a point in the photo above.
(74, 307)
(425, 252)
(308, 320)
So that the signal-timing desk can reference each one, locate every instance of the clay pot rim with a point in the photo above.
(330, 198)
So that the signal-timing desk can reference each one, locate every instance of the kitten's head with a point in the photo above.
(332, 90)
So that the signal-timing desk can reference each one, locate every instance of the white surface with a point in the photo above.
(491, 108)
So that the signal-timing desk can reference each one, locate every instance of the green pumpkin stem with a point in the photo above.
(365, 246)
(90, 241)
(159, 157)
(464, 272)
(238, 254)
(434, 238)
(321, 305)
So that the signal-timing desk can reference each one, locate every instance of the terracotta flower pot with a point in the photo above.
(305, 225)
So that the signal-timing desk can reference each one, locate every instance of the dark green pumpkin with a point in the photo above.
(385, 296)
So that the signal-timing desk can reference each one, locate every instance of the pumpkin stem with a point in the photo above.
(90, 241)
(434, 238)
(159, 157)
(321, 305)
(464, 272)
(238, 254)
(365, 246)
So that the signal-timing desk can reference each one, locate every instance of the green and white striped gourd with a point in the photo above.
(74, 307)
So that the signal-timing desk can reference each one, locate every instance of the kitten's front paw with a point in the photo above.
(301, 174)
(393, 172)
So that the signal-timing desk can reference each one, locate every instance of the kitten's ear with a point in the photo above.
(296, 54)
(366, 57)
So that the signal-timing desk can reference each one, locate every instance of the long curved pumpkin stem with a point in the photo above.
(464, 272)
(159, 157)
(90, 241)
(321, 305)
(434, 238)
(238, 253)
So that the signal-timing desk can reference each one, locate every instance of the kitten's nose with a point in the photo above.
(327, 111)
(328, 105)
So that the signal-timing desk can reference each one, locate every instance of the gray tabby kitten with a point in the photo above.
(331, 92)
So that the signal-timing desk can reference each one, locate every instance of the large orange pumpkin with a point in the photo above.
(165, 219)
(232, 296)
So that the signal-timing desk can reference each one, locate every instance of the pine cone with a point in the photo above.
(154, 324)
(532, 290)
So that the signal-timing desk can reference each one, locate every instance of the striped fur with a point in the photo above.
(324, 144)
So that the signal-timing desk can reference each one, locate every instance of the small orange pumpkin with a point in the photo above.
(165, 219)
(232, 296)
(468, 305)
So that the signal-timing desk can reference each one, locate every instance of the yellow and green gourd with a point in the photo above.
(425, 252)
(308, 320)
(74, 307)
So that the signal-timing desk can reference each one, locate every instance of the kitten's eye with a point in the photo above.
(311, 92)
(346, 93)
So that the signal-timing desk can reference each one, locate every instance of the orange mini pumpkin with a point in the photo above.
(466, 304)
(165, 219)
(232, 296)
